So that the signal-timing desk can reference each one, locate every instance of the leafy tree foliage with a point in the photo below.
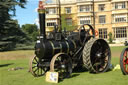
(10, 32)
(31, 30)
(65, 24)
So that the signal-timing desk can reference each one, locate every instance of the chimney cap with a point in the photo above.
(41, 5)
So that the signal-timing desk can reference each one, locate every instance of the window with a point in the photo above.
(102, 19)
(85, 8)
(120, 5)
(120, 18)
(69, 21)
(51, 11)
(120, 32)
(85, 20)
(51, 23)
(123, 5)
(101, 7)
(68, 10)
(103, 33)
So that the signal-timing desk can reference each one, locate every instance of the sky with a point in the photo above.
(28, 15)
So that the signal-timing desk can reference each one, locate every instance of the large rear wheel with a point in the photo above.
(124, 61)
(96, 55)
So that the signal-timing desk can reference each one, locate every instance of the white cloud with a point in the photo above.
(36, 10)
(37, 22)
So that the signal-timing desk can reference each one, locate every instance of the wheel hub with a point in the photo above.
(99, 55)
(62, 66)
(38, 65)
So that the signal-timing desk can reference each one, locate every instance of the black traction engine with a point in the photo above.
(63, 51)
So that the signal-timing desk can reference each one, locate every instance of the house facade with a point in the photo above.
(111, 16)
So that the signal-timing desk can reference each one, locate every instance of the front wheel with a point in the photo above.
(124, 61)
(62, 64)
(36, 67)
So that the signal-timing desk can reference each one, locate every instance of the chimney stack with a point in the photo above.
(41, 11)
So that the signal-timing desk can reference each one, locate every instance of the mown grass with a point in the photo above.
(14, 55)
(115, 53)
(23, 77)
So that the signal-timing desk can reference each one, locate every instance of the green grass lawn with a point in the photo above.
(14, 59)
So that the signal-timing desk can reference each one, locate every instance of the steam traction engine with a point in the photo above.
(62, 52)
(124, 61)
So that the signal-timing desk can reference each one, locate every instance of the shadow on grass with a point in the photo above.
(79, 70)
(73, 75)
(5, 65)
(76, 72)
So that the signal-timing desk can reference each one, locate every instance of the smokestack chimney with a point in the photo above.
(41, 11)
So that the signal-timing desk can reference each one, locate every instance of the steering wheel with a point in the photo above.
(85, 34)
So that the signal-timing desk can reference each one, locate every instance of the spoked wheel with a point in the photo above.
(96, 56)
(62, 64)
(85, 33)
(124, 61)
(36, 67)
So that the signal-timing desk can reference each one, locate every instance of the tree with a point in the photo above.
(65, 23)
(7, 10)
(10, 33)
(31, 30)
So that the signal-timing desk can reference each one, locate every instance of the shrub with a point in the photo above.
(110, 37)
